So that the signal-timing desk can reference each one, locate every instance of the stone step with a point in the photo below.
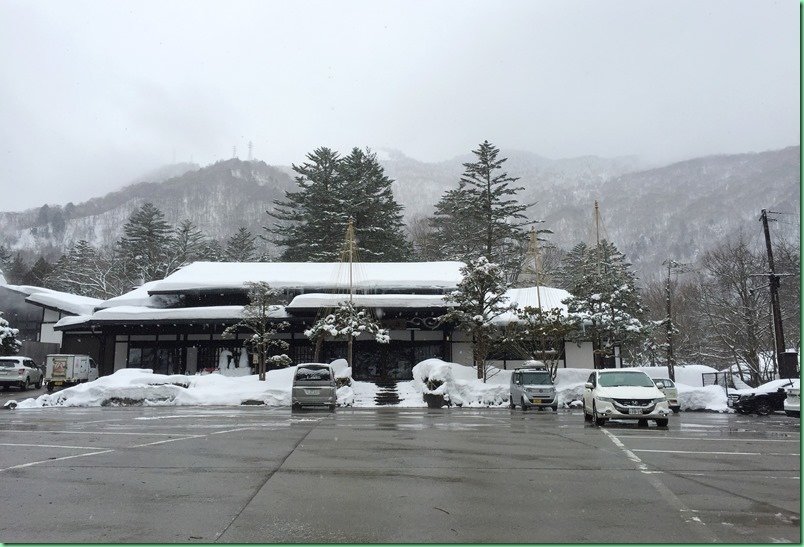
(386, 393)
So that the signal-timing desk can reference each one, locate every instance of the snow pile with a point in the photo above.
(136, 386)
(459, 384)
(702, 398)
(569, 385)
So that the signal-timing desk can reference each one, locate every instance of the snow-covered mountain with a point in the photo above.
(219, 198)
(675, 211)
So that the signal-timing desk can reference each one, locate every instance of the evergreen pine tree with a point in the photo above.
(605, 304)
(187, 245)
(240, 247)
(9, 345)
(87, 271)
(38, 274)
(5, 258)
(479, 299)
(16, 270)
(368, 198)
(144, 247)
(312, 220)
(259, 319)
(482, 217)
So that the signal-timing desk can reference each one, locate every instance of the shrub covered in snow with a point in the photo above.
(459, 384)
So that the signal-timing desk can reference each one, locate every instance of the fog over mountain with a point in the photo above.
(652, 213)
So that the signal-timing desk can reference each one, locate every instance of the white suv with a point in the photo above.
(21, 372)
(624, 395)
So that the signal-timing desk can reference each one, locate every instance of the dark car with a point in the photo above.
(761, 400)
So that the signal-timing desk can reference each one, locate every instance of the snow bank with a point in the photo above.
(702, 398)
(459, 383)
(136, 386)
(569, 386)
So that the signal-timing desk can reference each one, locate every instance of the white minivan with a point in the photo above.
(623, 394)
(532, 387)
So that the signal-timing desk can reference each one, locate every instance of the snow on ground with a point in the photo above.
(458, 383)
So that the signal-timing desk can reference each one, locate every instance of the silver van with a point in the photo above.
(313, 385)
(532, 387)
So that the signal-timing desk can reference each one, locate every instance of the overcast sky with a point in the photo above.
(94, 94)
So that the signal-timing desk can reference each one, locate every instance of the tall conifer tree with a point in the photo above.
(482, 217)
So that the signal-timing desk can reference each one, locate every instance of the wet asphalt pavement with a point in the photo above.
(251, 474)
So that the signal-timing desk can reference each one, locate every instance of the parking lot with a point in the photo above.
(256, 474)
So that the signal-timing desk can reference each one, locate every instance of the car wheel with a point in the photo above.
(792, 413)
(662, 422)
(39, 383)
(598, 421)
(511, 403)
(295, 407)
(762, 408)
(49, 387)
(555, 407)
(675, 409)
(524, 406)
(332, 408)
(24, 385)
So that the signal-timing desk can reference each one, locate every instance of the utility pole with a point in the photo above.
(783, 362)
(671, 361)
(350, 241)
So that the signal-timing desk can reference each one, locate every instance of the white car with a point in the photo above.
(20, 372)
(624, 395)
(668, 387)
(792, 403)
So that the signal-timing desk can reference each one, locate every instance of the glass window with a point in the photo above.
(536, 378)
(614, 379)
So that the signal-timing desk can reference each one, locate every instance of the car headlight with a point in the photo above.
(660, 400)
(605, 399)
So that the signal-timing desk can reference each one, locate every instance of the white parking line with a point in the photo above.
(94, 448)
(686, 513)
(714, 453)
(29, 464)
(719, 440)
(55, 446)
(29, 432)
(185, 438)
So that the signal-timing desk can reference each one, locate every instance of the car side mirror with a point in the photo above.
(588, 385)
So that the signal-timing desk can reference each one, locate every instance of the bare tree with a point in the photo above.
(735, 306)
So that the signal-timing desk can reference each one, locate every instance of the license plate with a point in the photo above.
(56, 383)
(311, 391)
(634, 411)
(537, 401)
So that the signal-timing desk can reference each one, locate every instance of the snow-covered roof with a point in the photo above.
(327, 300)
(549, 297)
(70, 303)
(141, 313)
(138, 297)
(200, 276)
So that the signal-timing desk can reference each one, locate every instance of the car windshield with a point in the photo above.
(536, 378)
(318, 373)
(613, 379)
(7, 363)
